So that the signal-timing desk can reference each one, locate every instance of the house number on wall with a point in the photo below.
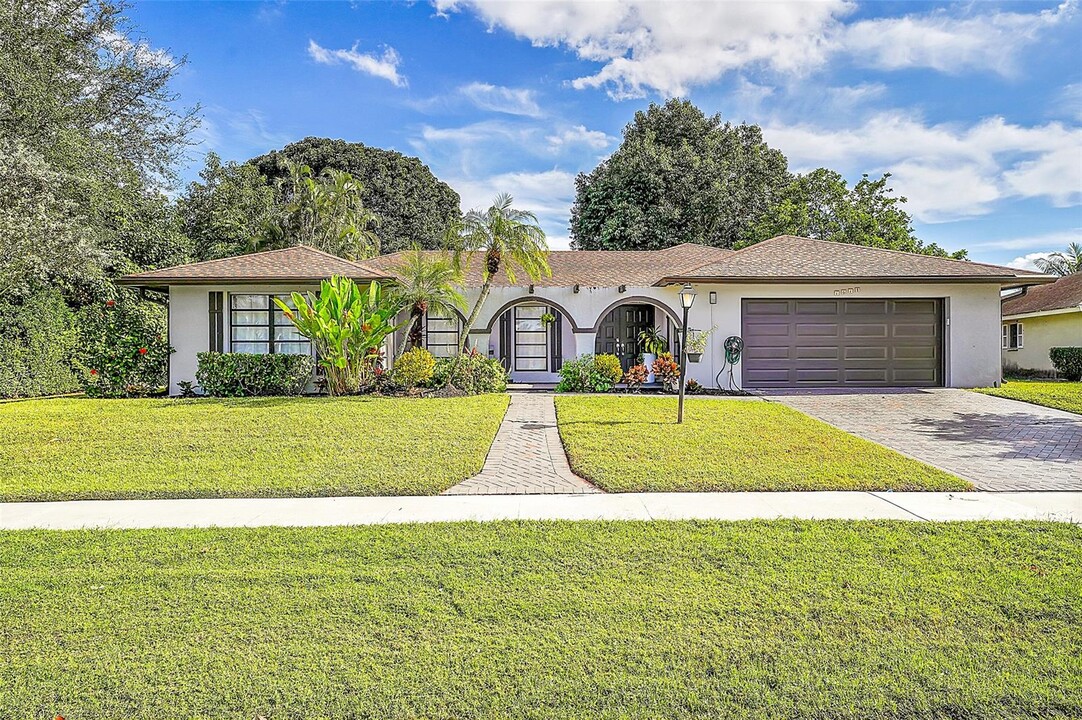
(847, 291)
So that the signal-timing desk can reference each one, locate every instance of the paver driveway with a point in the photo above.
(997, 444)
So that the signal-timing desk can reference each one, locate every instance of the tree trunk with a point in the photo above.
(408, 340)
(485, 290)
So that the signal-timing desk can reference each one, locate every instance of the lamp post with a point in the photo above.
(687, 299)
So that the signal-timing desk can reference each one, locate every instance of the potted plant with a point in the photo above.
(548, 319)
(653, 344)
(697, 344)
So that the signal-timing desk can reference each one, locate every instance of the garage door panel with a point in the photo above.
(814, 342)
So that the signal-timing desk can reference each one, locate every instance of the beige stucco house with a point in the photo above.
(1037, 319)
(811, 313)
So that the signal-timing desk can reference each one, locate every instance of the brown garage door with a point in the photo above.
(824, 343)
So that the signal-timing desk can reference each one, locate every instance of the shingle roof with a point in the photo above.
(289, 264)
(593, 268)
(1063, 293)
(786, 258)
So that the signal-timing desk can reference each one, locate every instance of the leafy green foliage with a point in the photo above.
(1067, 361)
(69, 449)
(630, 443)
(414, 368)
(820, 205)
(590, 373)
(635, 376)
(413, 206)
(1054, 394)
(38, 342)
(678, 176)
(427, 286)
(125, 352)
(226, 210)
(471, 373)
(347, 328)
(248, 375)
(892, 620)
(666, 371)
(324, 211)
(509, 239)
(1062, 263)
(653, 341)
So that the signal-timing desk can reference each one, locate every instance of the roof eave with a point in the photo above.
(1003, 280)
(160, 282)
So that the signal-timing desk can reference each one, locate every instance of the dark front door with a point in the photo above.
(618, 333)
(835, 342)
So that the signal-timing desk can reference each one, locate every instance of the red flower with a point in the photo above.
(110, 303)
(59, 717)
(93, 372)
(142, 351)
(366, 327)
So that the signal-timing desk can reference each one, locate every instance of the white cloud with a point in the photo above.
(947, 170)
(1048, 242)
(944, 42)
(384, 66)
(1029, 261)
(578, 136)
(548, 194)
(510, 101)
(143, 53)
(668, 47)
(1070, 101)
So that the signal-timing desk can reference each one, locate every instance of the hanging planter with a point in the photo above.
(695, 357)
(697, 344)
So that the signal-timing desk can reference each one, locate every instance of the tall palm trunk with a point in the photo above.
(412, 338)
(485, 290)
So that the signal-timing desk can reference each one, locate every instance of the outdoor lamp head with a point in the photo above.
(687, 296)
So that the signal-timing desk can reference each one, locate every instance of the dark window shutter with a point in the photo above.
(505, 339)
(557, 341)
(217, 321)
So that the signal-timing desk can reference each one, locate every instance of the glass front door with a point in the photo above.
(531, 339)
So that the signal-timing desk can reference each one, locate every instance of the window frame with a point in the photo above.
(271, 325)
(1013, 336)
(543, 344)
(457, 332)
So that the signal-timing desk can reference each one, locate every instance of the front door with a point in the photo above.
(618, 333)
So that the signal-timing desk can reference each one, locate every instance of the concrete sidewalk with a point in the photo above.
(315, 512)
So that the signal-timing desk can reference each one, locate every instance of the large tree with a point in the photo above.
(225, 209)
(678, 176)
(415, 209)
(821, 205)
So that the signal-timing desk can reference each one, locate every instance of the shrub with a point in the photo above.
(126, 354)
(246, 375)
(635, 376)
(37, 343)
(472, 373)
(694, 387)
(414, 367)
(589, 373)
(667, 371)
(1067, 361)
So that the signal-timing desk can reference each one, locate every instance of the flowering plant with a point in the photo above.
(667, 371)
(635, 376)
(124, 357)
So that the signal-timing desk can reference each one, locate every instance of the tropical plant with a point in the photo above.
(697, 340)
(347, 327)
(471, 373)
(635, 376)
(653, 341)
(121, 357)
(548, 319)
(667, 371)
(1062, 263)
(609, 368)
(414, 368)
(251, 375)
(589, 373)
(426, 285)
(325, 211)
(510, 239)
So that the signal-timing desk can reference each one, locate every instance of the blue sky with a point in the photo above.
(976, 108)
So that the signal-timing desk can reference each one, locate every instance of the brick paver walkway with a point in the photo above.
(527, 456)
(997, 444)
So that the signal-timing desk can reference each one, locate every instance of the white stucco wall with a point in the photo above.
(972, 317)
(1040, 334)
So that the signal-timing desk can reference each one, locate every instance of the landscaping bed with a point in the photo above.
(1061, 395)
(633, 444)
(77, 448)
(545, 620)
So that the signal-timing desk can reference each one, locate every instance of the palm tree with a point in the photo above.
(427, 285)
(1062, 264)
(510, 239)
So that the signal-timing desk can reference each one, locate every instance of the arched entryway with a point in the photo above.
(529, 335)
(620, 325)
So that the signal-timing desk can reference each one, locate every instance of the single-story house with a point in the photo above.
(1038, 319)
(811, 313)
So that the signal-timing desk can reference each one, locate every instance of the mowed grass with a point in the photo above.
(1060, 395)
(633, 444)
(78, 448)
(777, 619)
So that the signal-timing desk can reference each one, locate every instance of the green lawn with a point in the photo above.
(1062, 395)
(545, 620)
(78, 448)
(633, 444)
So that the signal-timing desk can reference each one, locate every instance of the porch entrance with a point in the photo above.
(618, 332)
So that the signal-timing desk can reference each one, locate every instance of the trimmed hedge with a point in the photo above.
(590, 373)
(248, 375)
(38, 342)
(1067, 361)
(472, 374)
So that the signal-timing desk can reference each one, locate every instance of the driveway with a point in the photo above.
(998, 444)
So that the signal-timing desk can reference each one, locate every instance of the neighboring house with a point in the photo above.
(812, 313)
(1038, 319)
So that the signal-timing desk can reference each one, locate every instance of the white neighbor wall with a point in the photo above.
(971, 310)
